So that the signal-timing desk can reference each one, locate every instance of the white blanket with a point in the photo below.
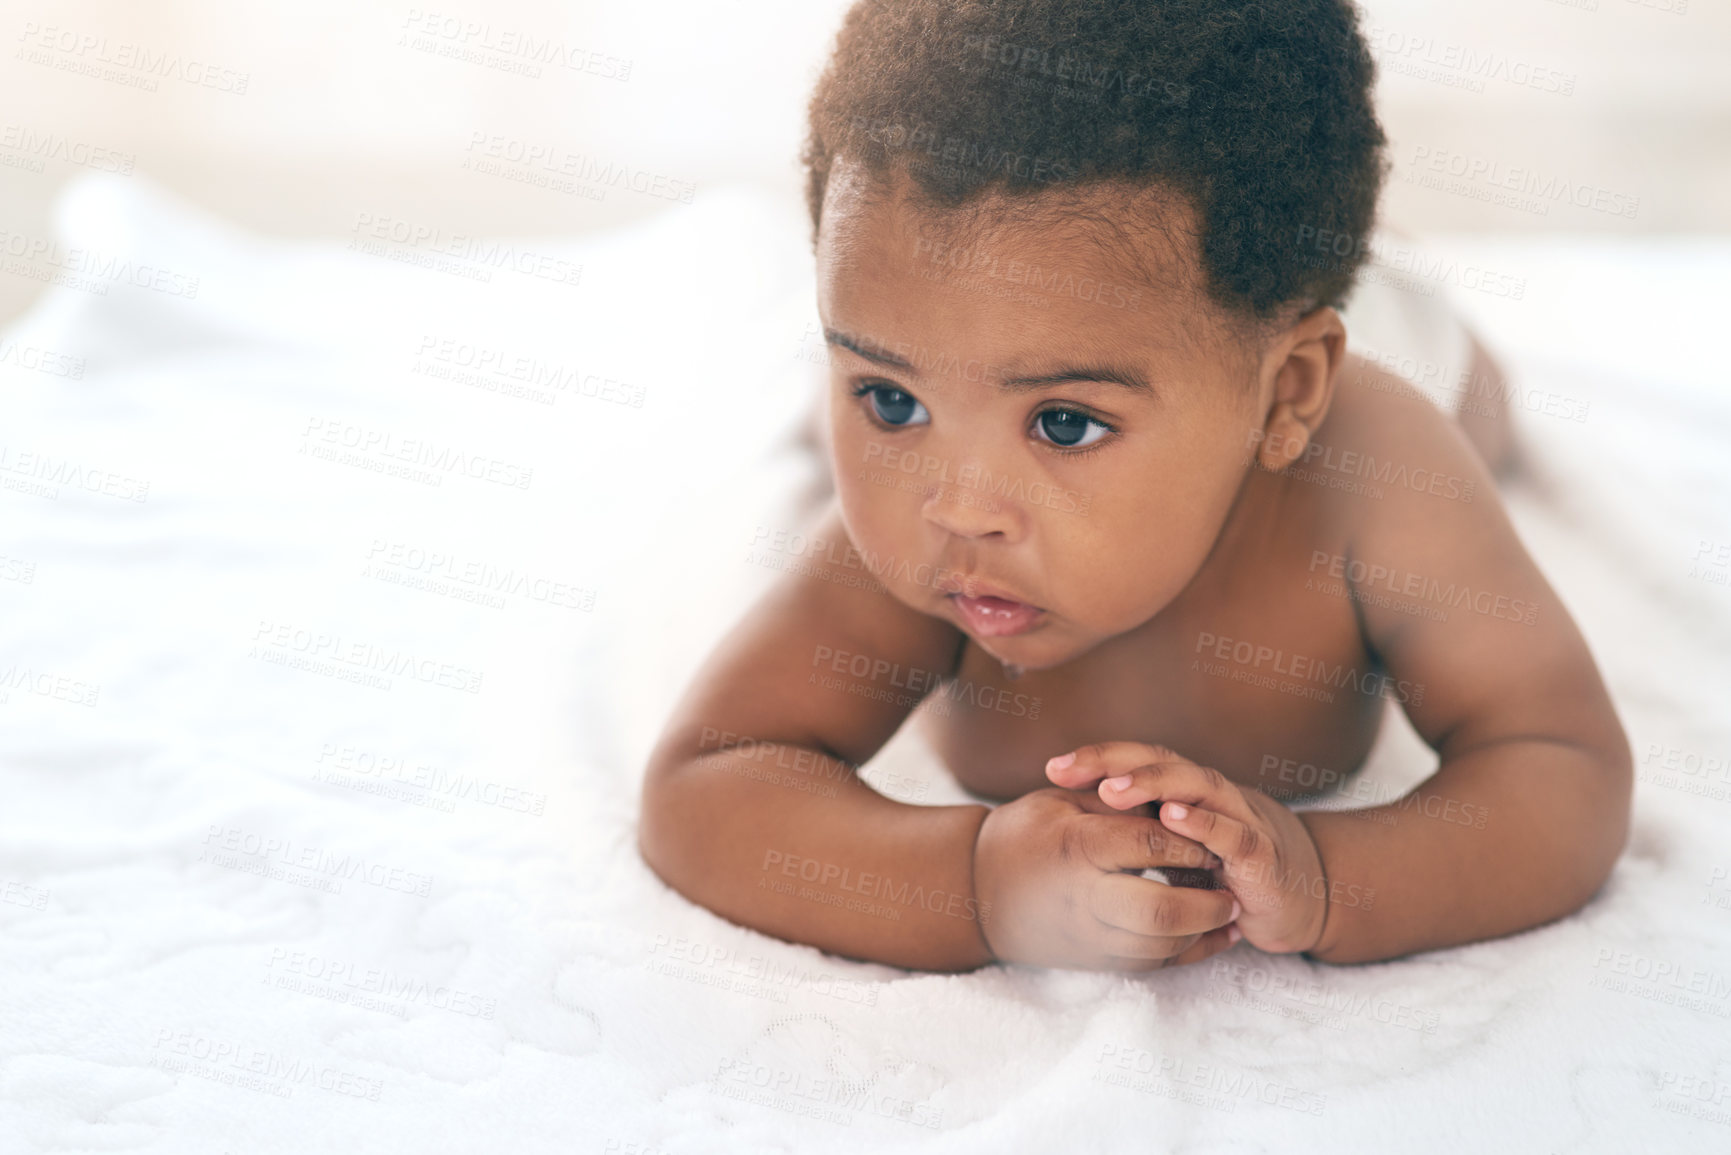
(346, 589)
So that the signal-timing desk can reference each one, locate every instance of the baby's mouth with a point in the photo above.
(994, 617)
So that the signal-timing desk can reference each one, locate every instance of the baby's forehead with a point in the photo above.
(1145, 243)
(1136, 249)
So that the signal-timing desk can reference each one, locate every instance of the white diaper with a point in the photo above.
(1405, 325)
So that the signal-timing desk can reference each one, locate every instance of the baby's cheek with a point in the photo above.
(1112, 579)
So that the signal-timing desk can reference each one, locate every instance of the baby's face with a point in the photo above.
(1019, 411)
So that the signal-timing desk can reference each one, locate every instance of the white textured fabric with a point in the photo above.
(286, 878)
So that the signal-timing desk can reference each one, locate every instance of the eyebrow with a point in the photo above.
(1104, 374)
(874, 355)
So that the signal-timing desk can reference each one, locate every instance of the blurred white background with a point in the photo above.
(293, 118)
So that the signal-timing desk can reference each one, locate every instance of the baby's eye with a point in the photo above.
(893, 406)
(1069, 428)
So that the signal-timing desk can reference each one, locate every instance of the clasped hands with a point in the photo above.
(1059, 869)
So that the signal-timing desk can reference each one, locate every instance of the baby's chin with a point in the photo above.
(1057, 642)
(1045, 648)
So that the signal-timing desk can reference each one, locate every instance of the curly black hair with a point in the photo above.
(1257, 112)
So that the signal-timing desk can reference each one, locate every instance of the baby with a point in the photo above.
(1136, 528)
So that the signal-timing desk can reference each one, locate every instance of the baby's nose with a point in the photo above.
(967, 512)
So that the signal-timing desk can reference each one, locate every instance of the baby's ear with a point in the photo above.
(1298, 373)
(1283, 442)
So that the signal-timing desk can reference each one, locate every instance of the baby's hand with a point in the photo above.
(1056, 875)
(1268, 860)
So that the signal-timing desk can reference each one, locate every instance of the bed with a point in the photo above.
(347, 584)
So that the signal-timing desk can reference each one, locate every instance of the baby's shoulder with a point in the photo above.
(1386, 450)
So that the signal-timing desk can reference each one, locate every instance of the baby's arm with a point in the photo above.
(751, 805)
(1529, 809)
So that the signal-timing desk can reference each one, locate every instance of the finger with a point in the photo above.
(1120, 943)
(1181, 782)
(1142, 906)
(1141, 963)
(1086, 765)
(1091, 801)
(1116, 842)
(1207, 946)
(1237, 843)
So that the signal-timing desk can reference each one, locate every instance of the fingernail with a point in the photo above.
(1061, 761)
(1122, 782)
(1237, 909)
(1175, 809)
(1233, 934)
